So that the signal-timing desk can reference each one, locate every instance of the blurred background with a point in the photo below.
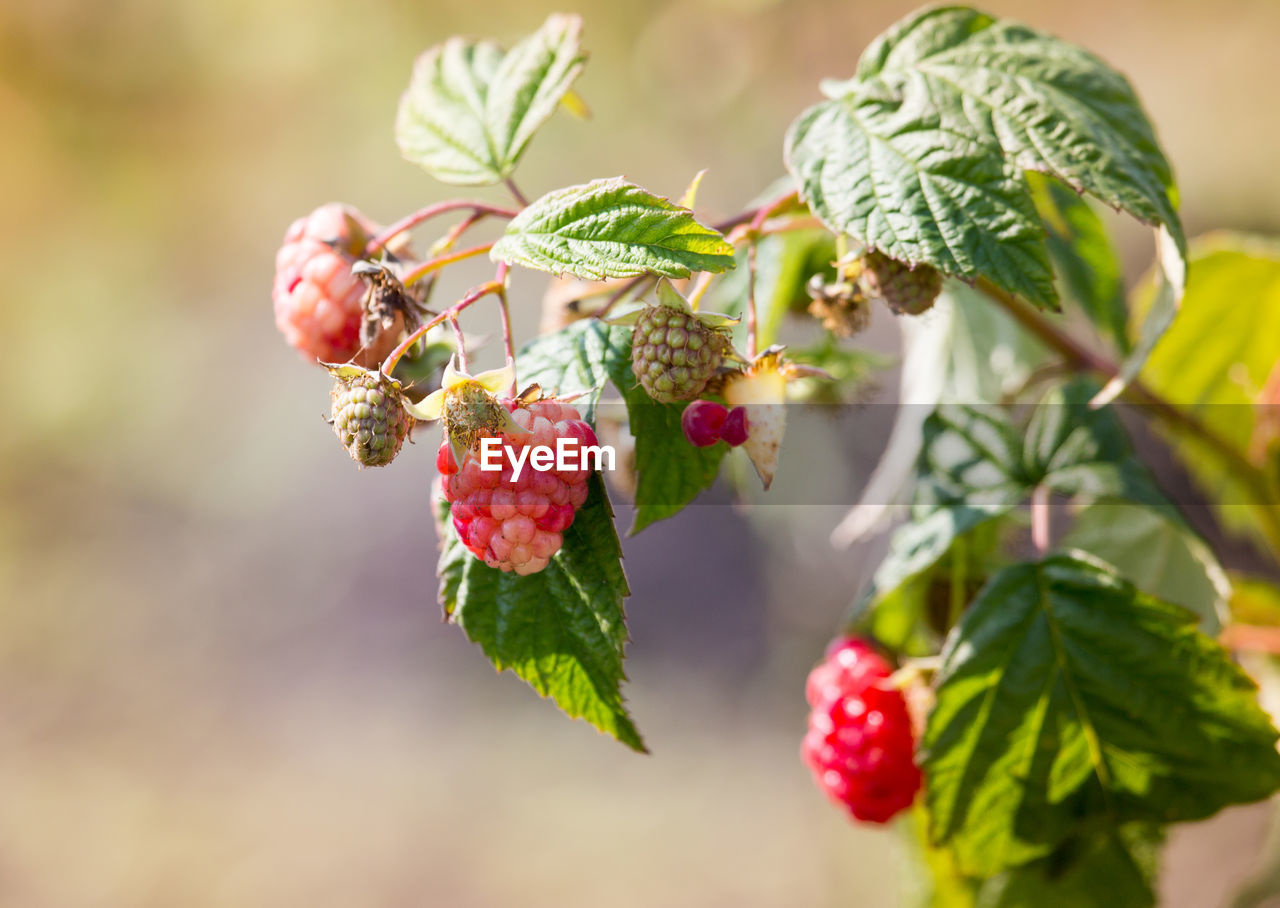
(223, 676)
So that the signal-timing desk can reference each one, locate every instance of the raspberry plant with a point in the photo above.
(1049, 701)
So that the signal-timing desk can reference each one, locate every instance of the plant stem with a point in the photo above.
(439, 262)
(508, 343)
(1176, 418)
(1041, 519)
(408, 222)
(459, 340)
(475, 293)
(515, 192)
(753, 236)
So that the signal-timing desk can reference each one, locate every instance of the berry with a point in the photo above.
(517, 524)
(674, 353)
(702, 422)
(860, 745)
(736, 429)
(319, 303)
(369, 415)
(906, 290)
(841, 306)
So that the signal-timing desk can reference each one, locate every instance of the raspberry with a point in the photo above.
(736, 428)
(906, 290)
(840, 306)
(516, 524)
(702, 422)
(859, 745)
(674, 353)
(319, 303)
(368, 414)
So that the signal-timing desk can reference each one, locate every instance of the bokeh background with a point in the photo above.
(223, 677)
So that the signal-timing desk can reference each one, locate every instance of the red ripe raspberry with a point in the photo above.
(319, 303)
(516, 524)
(859, 745)
(735, 430)
(702, 421)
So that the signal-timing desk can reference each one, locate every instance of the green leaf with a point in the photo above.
(1115, 868)
(1162, 557)
(1066, 698)
(611, 228)
(909, 182)
(578, 358)
(974, 455)
(563, 629)
(1049, 105)
(670, 472)
(922, 154)
(1084, 257)
(470, 110)
(1217, 357)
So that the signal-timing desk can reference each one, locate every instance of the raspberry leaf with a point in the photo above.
(914, 185)
(563, 629)
(1161, 557)
(922, 154)
(1226, 328)
(470, 109)
(580, 358)
(1115, 868)
(1068, 698)
(611, 228)
(1082, 253)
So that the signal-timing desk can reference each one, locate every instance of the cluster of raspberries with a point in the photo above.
(860, 745)
(516, 523)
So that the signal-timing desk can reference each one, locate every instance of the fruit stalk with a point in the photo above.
(409, 221)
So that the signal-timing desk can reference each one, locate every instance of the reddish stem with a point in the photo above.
(408, 222)
(1041, 519)
(476, 293)
(508, 343)
(439, 262)
(460, 341)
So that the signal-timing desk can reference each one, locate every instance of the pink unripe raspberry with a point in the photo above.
(702, 422)
(735, 430)
(860, 746)
(319, 303)
(516, 524)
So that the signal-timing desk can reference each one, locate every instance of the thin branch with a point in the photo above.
(459, 340)
(439, 262)
(408, 222)
(475, 293)
(1041, 519)
(515, 192)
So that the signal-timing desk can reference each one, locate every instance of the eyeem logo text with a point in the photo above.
(568, 454)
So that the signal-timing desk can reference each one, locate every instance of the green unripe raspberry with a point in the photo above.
(369, 416)
(906, 290)
(673, 354)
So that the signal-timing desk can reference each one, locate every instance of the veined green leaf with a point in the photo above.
(1067, 698)
(926, 147)
(563, 629)
(611, 228)
(579, 358)
(1084, 257)
(470, 109)
(914, 185)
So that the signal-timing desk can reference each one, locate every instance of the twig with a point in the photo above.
(1041, 519)
(439, 262)
(475, 293)
(408, 222)
(459, 340)
(515, 192)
